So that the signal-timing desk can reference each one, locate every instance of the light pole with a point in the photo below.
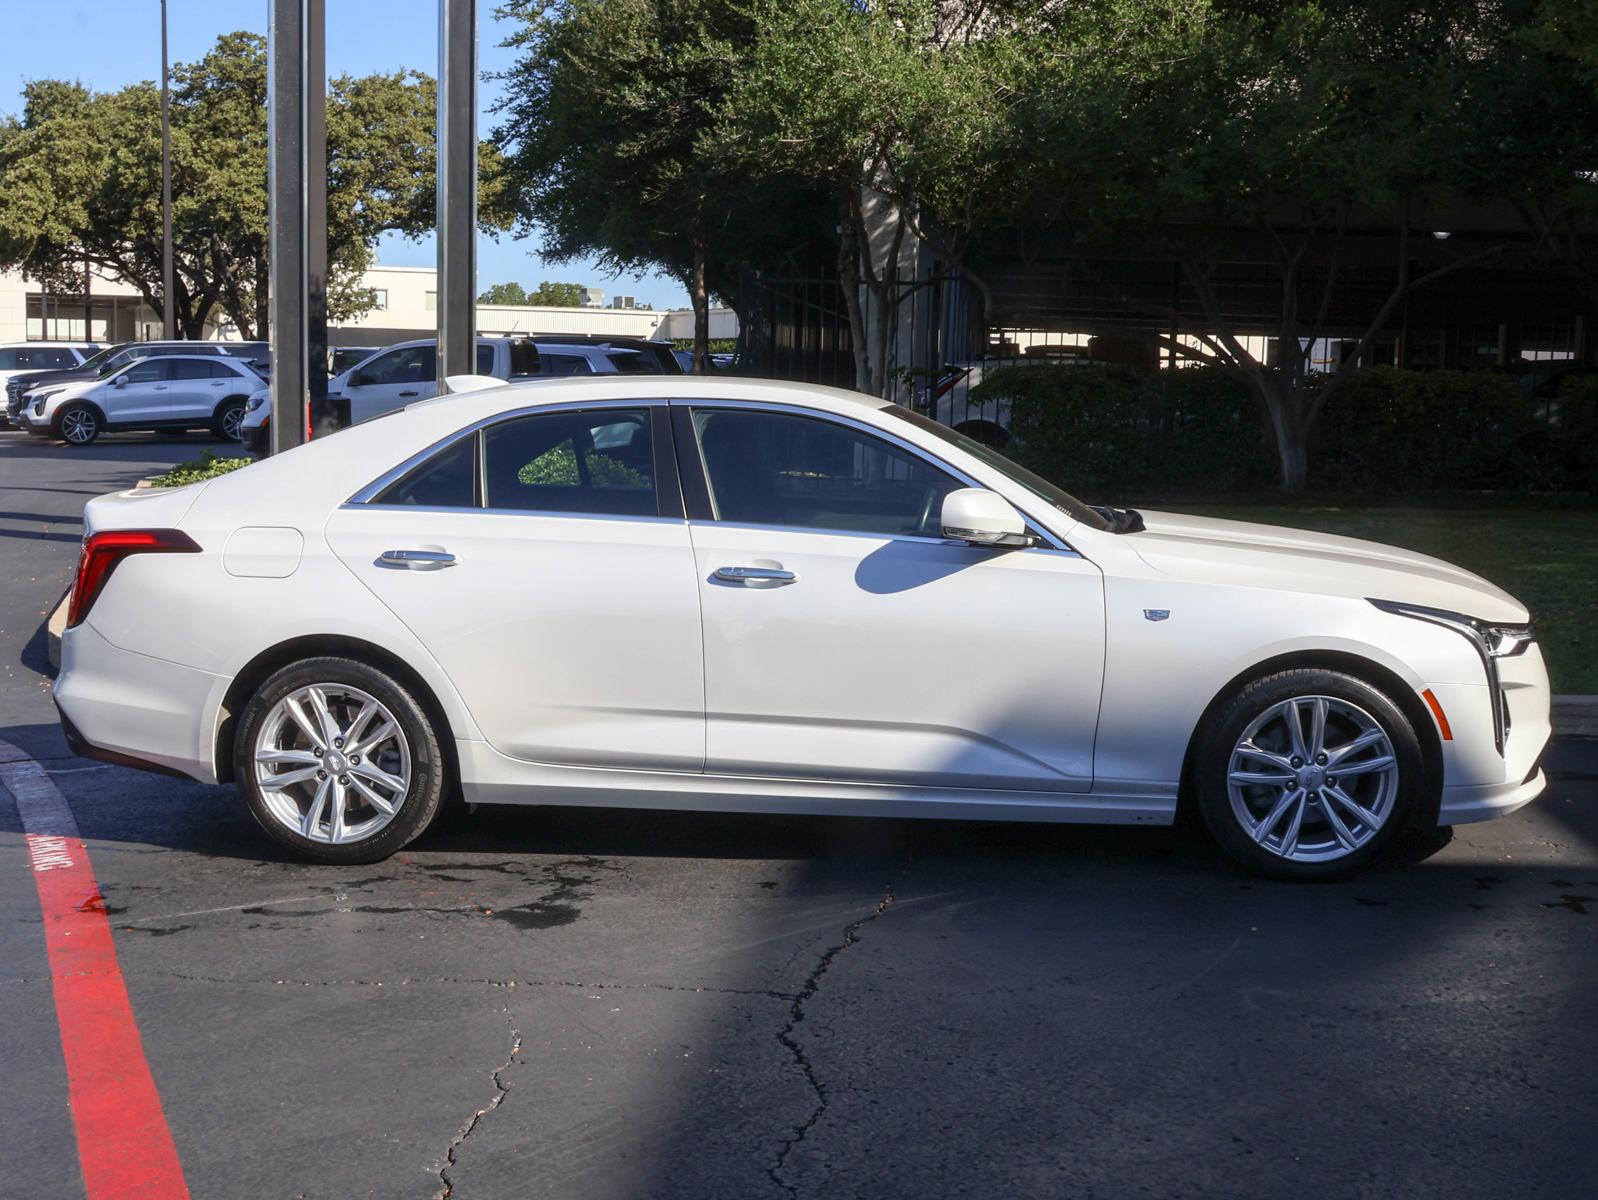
(457, 189)
(169, 316)
(297, 183)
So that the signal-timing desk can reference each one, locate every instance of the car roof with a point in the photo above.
(48, 346)
(540, 391)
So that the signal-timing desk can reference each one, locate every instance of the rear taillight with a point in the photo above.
(103, 551)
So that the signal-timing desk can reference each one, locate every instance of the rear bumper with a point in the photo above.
(133, 710)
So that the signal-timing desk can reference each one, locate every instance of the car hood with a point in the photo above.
(1209, 550)
(32, 379)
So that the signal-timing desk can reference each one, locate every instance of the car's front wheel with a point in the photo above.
(338, 761)
(1309, 774)
(77, 424)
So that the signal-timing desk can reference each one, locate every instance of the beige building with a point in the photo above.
(406, 307)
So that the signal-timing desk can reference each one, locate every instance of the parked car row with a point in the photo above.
(74, 392)
(406, 373)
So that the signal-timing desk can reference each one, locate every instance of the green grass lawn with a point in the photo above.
(1545, 555)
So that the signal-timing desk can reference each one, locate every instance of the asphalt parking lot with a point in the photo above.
(597, 1004)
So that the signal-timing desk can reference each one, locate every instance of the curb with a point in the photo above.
(1571, 716)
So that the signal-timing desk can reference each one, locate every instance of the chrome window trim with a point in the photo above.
(1057, 544)
(542, 513)
(364, 496)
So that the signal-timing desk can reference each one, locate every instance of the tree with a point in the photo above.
(612, 132)
(894, 111)
(81, 175)
(1186, 124)
(504, 293)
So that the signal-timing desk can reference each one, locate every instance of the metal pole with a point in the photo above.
(457, 188)
(169, 316)
(323, 419)
(294, 293)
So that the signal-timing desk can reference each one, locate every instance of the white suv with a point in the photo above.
(177, 391)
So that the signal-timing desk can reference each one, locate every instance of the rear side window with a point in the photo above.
(597, 462)
(565, 364)
(447, 480)
(485, 359)
(188, 368)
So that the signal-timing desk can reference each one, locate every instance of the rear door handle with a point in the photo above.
(418, 559)
(755, 574)
(403, 394)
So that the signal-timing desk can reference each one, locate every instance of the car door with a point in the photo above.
(846, 639)
(392, 380)
(196, 386)
(545, 563)
(139, 395)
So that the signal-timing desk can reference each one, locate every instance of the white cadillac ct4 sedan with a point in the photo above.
(760, 597)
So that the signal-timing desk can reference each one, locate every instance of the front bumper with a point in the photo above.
(1479, 782)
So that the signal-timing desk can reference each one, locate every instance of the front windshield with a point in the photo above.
(96, 361)
(1040, 487)
(114, 364)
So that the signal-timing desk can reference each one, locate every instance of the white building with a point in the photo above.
(406, 307)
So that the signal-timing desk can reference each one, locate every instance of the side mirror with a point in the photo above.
(983, 518)
(120, 381)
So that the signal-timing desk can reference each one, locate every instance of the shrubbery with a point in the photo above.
(1111, 430)
(207, 466)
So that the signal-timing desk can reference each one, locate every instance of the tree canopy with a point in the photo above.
(80, 173)
(548, 294)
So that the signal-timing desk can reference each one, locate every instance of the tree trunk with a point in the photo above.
(849, 281)
(701, 297)
(1287, 406)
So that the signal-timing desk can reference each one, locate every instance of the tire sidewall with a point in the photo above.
(427, 764)
(1226, 727)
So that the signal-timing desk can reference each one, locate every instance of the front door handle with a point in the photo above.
(755, 575)
(404, 394)
(418, 559)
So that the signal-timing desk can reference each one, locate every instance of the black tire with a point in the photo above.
(225, 421)
(414, 812)
(1222, 733)
(77, 424)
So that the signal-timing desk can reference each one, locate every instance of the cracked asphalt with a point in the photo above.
(597, 1004)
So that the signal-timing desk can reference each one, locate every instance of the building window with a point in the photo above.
(380, 298)
(432, 301)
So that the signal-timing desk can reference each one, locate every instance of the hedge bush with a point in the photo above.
(1389, 429)
(1112, 430)
(1104, 431)
(207, 466)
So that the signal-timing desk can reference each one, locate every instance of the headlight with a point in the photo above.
(1491, 642)
(41, 396)
(255, 402)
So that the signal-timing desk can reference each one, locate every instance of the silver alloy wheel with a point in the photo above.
(232, 420)
(332, 763)
(1313, 778)
(78, 426)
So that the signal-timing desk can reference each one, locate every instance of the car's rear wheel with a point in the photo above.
(1309, 775)
(227, 423)
(77, 424)
(338, 761)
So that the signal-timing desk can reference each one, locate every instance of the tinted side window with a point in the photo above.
(148, 370)
(447, 480)
(773, 469)
(485, 359)
(411, 365)
(597, 462)
(564, 364)
(188, 368)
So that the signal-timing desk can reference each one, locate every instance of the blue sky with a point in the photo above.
(108, 43)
